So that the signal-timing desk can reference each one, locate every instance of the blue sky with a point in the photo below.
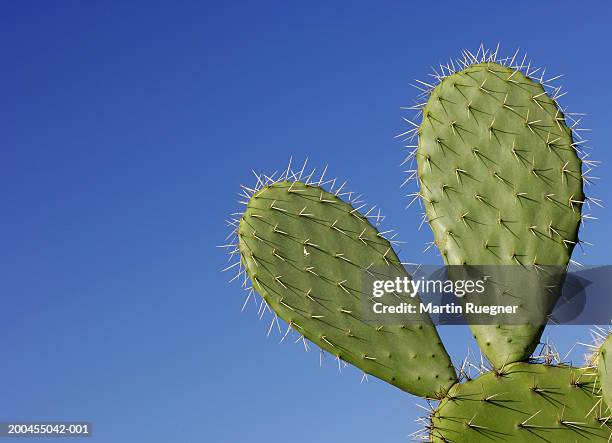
(126, 131)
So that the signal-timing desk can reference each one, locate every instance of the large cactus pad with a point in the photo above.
(524, 403)
(307, 252)
(501, 181)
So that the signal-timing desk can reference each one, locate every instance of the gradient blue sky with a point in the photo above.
(126, 130)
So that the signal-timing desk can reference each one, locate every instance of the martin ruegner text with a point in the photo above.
(450, 308)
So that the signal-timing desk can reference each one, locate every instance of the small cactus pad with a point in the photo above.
(524, 403)
(501, 182)
(604, 363)
(306, 252)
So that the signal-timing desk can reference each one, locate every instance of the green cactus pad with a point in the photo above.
(501, 182)
(524, 403)
(604, 364)
(306, 252)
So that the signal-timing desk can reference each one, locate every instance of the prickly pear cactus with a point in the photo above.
(522, 403)
(501, 182)
(306, 252)
(502, 185)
